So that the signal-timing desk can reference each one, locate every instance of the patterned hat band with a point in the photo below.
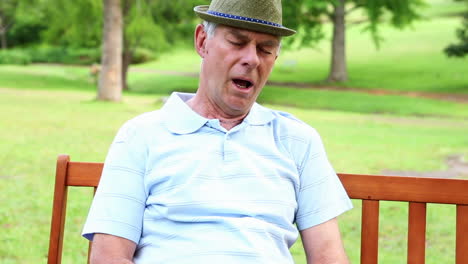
(219, 14)
(263, 16)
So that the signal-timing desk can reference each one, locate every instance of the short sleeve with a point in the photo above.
(119, 203)
(321, 195)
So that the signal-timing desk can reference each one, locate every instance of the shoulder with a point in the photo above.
(299, 139)
(145, 119)
(140, 125)
(291, 127)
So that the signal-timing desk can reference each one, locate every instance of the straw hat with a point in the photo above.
(256, 15)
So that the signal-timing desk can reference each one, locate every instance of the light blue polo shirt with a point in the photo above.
(188, 191)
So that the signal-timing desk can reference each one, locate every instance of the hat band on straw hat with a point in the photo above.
(219, 14)
(264, 16)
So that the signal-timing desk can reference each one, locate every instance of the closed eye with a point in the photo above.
(236, 43)
(265, 51)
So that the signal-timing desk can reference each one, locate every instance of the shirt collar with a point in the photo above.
(259, 115)
(181, 119)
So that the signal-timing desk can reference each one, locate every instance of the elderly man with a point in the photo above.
(214, 177)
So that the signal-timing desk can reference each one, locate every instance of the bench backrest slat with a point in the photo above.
(58, 211)
(407, 189)
(370, 231)
(84, 174)
(462, 234)
(369, 188)
(416, 232)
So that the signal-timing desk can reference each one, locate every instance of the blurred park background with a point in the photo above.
(393, 100)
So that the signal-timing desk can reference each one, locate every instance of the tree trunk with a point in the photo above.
(3, 39)
(3, 31)
(110, 79)
(127, 53)
(338, 69)
(126, 60)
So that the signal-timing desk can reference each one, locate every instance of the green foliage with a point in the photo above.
(176, 17)
(7, 13)
(460, 49)
(149, 26)
(14, 57)
(159, 25)
(399, 13)
(75, 23)
(142, 55)
(141, 29)
(308, 17)
(57, 54)
(25, 33)
(7, 19)
(29, 22)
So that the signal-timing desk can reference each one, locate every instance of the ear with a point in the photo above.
(200, 40)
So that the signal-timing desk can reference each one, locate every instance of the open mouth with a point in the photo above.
(243, 84)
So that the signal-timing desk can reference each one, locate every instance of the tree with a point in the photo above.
(151, 26)
(155, 25)
(17, 17)
(84, 23)
(309, 16)
(29, 23)
(339, 69)
(460, 49)
(140, 31)
(147, 24)
(7, 18)
(110, 79)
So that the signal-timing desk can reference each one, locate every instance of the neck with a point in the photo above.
(238, 121)
(207, 110)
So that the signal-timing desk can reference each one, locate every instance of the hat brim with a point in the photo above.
(201, 11)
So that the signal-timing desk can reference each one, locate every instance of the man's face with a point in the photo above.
(236, 66)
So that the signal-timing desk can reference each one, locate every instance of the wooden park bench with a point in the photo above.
(371, 189)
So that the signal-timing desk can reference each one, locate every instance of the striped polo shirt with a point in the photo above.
(186, 190)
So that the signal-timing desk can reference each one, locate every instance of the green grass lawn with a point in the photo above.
(37, 125)
(77, 78)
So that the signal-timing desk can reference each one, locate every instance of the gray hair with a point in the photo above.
(210, 28)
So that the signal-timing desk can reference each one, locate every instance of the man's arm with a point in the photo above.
(109, 249)
(322, 244)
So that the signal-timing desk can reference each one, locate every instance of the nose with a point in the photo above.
(250, 57)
